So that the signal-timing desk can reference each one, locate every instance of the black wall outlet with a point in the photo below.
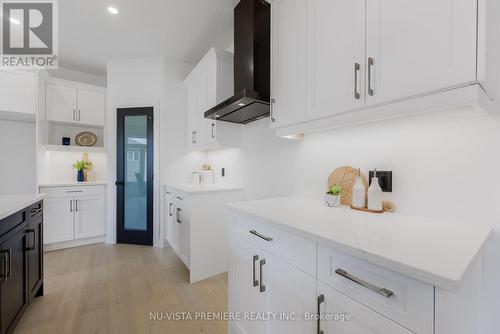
(384, 179)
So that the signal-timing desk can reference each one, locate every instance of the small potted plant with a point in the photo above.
(332, 196)
(81, 166)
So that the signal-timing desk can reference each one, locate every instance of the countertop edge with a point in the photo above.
(451, 284)
(205, 191)
(74, 184)
(21, 205)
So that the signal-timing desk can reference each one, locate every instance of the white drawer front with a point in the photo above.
(406, 301)
(73, 191)
(297, 251)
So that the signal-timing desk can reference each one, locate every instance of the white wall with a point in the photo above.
(151, 82)
(444, 164)
(72, 75)
(56, 167)
(18, 157)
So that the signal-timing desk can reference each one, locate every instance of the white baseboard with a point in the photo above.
(73, 243)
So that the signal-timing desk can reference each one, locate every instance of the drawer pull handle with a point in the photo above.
(35, 211)
(73, 191)
(255, 281)
(178, 218)
(179, 198)
(261, 235)
(381, 291)
(31, 231)
(321, 300)
(262, 286)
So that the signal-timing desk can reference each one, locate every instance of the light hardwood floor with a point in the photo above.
(113, 288)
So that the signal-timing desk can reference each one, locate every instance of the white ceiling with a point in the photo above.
(89, 35)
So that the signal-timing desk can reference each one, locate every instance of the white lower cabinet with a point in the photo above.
(89, 216)
(340, 314)
(197, 229)
(262, 285)
(58, 220)
(275, 272)
(74, 215)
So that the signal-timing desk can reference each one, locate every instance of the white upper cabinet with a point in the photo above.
(208, 84)
(60, 103)
(337, 61)
(91, 107)
(18, 92)
(71, 104)
(288, 62)
(419, 46)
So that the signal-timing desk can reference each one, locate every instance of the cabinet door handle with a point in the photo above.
(170, 213)
(255, 281)
(262, 236)
(76, 205)
(35, 211)
(356, 72)
(29, 231)
(74, 114)
(262, 286)
(192, 137)
(381, 291)
(7, 265)
(70, 205)
(371, 63)
(273, 119)
(213, 130)
(79, 115)
(179, 220)
(179, 198)
(321, 300)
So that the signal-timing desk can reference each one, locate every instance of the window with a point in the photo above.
(133, 155)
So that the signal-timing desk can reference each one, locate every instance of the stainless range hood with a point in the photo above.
(252, 65)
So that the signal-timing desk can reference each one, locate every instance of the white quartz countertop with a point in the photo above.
(73, 184)
(431, 250)
(190, 188)
(10, 204)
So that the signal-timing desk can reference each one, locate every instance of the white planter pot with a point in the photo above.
(332, 200)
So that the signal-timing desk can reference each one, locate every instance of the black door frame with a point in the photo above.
(122, 235)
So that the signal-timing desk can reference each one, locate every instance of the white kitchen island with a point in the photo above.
(391, 273)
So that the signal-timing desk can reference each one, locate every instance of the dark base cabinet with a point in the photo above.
(21, 264)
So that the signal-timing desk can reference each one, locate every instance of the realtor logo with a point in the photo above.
(28, 34)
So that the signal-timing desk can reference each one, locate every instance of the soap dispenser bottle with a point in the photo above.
(359, 192)
(375, 194)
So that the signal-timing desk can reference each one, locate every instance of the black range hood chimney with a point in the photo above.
(252, 65)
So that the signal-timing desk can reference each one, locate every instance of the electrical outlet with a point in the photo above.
(384, 179)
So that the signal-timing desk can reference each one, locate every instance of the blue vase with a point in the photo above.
(80, 176)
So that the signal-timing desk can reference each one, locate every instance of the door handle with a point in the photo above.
(321, 300)
(195, 140)
(356, 71)
(74, 114)
(262, 286)
(7, 265)
(29, 231)
(255, 281)
(381, 291)
(170, 213)
(79, 115)
(262, 236)
(371, 63)
(70, 205)
(273, 119)
(76, 205)
(179, 220)
(118, 183)
(213, 130)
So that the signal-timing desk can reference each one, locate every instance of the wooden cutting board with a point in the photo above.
(345, 177)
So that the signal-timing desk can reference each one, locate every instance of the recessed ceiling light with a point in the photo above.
(113, 10)
(241, 104)
(15, 21)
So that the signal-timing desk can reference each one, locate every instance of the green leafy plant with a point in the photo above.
(334, 190)
(82, 165)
